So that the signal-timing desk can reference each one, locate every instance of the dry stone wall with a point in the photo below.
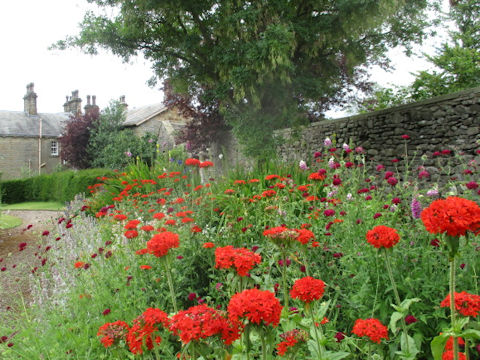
(450, 122)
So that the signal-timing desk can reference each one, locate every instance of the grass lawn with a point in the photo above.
(34, 205)
(8, 221)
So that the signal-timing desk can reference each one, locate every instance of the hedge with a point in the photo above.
(60, 186)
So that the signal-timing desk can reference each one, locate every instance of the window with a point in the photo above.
(54, 148)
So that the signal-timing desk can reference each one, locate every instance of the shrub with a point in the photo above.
(61, 186)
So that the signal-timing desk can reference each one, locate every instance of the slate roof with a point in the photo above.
(18, 123)
(137, 116)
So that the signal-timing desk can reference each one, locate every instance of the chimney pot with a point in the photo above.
(94, 100)
(30, 101)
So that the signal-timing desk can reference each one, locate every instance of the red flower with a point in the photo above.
(130, 234)
(256, 306)
(205, 164)
(113, 332)
(158, 216)
(120, 217)
(192, 162)
(154, 316)
(307, 289)
(465, 303)
(132, 224)
(454, 216)
(160, 243)
(449, 343)
(200, 322)
(291, 338)
(371, 328)
(243, 259)
(208, 245)
(304, 236)
(316, 176)
(448, 355)
(79, 264)
(382, 236)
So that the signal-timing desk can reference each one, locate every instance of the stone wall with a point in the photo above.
(19, 157)
(450, 122)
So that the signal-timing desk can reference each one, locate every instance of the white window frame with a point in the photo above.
(54, 148)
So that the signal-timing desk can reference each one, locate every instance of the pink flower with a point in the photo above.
(405, 137)
(423, 174)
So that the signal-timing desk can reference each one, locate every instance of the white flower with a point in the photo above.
(345, 147)
(327, 142)
(220, 156)
(349, 196)
(303, 165)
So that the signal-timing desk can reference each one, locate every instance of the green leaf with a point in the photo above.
(329, 355)
(412, 347)
(394, 319)
(438, 345)
(471, 334)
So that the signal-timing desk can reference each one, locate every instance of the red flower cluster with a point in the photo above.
(307, 289)
(113, 332)
(304, 236)
(453, 216)
(291, 338)
(255, 306)
(371, 328)
(382, 236)
(192, 162)
(448, 355)
(465, 303)
(281, 233)
(200, 322)
(160, 243)
(243, 259)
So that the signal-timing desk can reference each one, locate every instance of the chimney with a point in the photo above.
(123, 104)
(30, 101)
(91, 107)
(73, 104)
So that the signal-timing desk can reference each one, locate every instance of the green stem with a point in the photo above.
(170, 282)
(284, 280)
(376, 288)
(246, 339)
(264, 344)
(452, 305)
(321, 348)
(397, 297)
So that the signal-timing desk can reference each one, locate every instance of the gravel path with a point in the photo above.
(16, 265)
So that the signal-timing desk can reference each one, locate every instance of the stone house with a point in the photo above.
(155, 119)
(29, 140)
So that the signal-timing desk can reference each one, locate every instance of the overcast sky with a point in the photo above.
(29, 27)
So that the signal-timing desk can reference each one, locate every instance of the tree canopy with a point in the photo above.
(268, 64)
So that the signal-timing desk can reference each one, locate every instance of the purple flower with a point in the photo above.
(416, 208)
(327, 142)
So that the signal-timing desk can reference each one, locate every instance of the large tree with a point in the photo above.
(457, 61)
(267, 63)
